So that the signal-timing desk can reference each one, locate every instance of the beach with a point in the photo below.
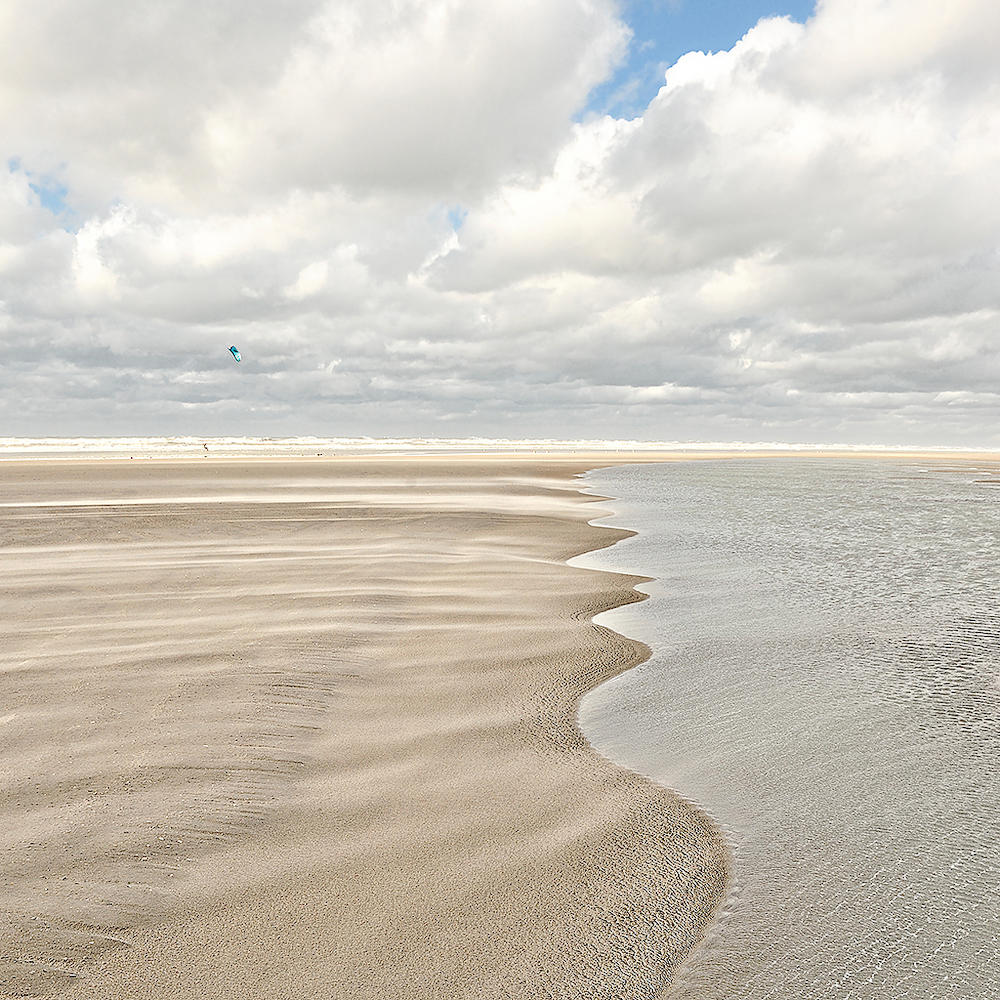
(306, 728)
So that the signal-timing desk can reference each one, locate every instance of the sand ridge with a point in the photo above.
(306, 729)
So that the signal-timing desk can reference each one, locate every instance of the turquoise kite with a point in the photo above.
(235, 353)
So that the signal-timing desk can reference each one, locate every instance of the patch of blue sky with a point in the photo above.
(50, 192)
(456, 216)
(664, 30)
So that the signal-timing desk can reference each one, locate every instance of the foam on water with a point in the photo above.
(180, 446)
(824, 680)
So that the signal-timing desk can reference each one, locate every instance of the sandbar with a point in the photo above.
(296, 729)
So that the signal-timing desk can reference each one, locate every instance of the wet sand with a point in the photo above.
(306, 729)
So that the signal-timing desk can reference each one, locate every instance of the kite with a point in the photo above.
(235, 353)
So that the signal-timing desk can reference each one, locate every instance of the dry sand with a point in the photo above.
(299, 729)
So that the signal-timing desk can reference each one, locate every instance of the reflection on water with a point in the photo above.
(825, 680)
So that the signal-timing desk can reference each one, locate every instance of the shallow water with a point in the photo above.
(825, 680)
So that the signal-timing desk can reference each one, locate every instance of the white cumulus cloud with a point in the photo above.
(406, 218)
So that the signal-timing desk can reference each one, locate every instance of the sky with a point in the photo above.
(665, 221)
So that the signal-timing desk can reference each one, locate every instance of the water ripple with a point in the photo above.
(825, 678)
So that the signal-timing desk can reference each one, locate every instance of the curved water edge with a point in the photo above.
(824, 682)
(607, 619)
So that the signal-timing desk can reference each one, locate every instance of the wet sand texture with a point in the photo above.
(306, 729)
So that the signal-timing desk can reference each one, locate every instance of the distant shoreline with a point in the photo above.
(189, 447)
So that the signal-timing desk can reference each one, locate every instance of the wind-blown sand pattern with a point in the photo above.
(306, 729)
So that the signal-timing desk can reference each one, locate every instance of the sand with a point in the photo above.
(296, 729)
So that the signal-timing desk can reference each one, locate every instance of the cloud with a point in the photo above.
(311, 280)
(187, 106)
(392, 210)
